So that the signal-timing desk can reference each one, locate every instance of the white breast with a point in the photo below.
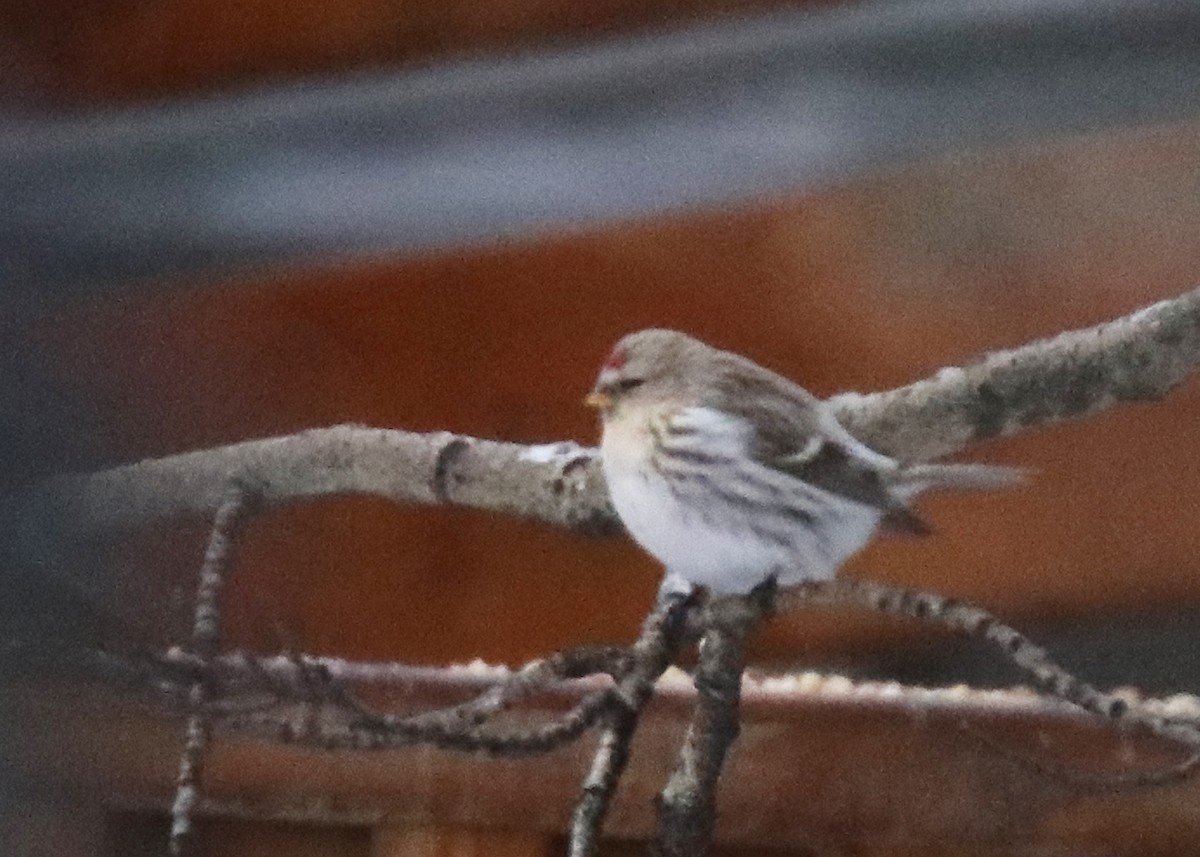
(727, 557)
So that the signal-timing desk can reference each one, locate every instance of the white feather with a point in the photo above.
(731, 558)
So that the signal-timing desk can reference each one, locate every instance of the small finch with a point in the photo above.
(729, 473)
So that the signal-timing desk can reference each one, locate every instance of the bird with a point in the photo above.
(732, 475)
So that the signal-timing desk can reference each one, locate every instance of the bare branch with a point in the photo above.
(600, 784)
(1015, 646)
(329, 716)
(687, 810)
(557, 483)
(662, 634)
(310, 701)
(1070, 376)
(1140, 356)
(206, 642)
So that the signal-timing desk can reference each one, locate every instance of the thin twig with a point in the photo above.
(333, 717)
(334, 731)
(205, 644)
(687, 811)
(661, 638)
(600, 784)
(976, 622)
(353, 725)
(574, 663)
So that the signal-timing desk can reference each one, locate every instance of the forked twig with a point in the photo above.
(337, 719)
(662, 635)
(687, 811)
(205, 644)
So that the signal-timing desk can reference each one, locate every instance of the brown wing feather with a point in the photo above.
(783, 414)
(786, 418)
(833, 469)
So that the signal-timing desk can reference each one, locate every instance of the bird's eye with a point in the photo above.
(627, 384)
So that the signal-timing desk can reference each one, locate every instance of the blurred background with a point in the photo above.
(226, 220)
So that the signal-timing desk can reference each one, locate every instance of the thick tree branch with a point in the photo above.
(558, 483)
(1075, 374)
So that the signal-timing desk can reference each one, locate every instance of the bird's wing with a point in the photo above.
(832, 467)
(792, 433)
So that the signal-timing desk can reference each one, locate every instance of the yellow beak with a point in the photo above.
(598, 400)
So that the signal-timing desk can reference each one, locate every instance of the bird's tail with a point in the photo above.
(916, 478)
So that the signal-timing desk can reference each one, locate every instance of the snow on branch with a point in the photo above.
(1072, 375)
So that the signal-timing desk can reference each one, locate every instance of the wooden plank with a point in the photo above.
(132, 834)
(418, 841)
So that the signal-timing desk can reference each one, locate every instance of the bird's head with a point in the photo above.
(649, 367)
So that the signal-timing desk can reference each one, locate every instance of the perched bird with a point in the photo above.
(729, 473)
